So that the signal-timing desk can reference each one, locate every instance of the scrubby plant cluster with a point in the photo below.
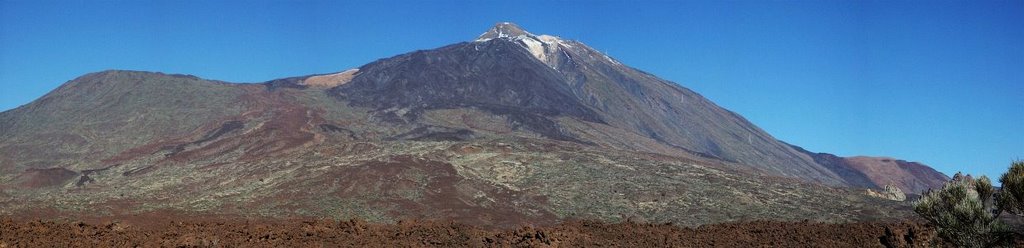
(966, 210)
(1012, 195)
(963, 212)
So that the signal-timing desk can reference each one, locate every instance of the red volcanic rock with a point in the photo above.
(317, 233)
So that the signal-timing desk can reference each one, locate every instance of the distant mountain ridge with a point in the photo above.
(548, 126)
(877, 172)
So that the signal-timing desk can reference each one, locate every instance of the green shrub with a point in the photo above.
(1011, 197)
(963, 213)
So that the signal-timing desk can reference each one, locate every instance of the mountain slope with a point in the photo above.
(96, 115)
(511, 128)
(496, 77)
(511, 72)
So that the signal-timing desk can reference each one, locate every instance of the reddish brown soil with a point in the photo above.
(37, 178)
(283, 125)
(320, 233)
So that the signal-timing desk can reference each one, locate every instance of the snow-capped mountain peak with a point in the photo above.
(503, 30)
(546, 48)
(542, 47)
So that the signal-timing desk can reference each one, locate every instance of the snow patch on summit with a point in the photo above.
(548, 39)
(549, 49)
(503, 30)
(610, 59)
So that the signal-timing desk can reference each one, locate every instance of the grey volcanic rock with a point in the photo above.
(495, 76)
(492, 74)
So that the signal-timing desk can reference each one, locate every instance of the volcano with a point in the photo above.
(506, 129)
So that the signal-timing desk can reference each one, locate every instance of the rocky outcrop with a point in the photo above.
(890, 192)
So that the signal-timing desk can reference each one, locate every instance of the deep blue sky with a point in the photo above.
(937, 82)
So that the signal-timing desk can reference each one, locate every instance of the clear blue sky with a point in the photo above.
(933, 81)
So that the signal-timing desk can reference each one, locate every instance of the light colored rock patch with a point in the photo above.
(499, 168)
(548, 39)
(537, 49)
(890, 192)
(330, 80)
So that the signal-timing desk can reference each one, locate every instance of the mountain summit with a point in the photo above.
(503, 30)
(509, 129)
